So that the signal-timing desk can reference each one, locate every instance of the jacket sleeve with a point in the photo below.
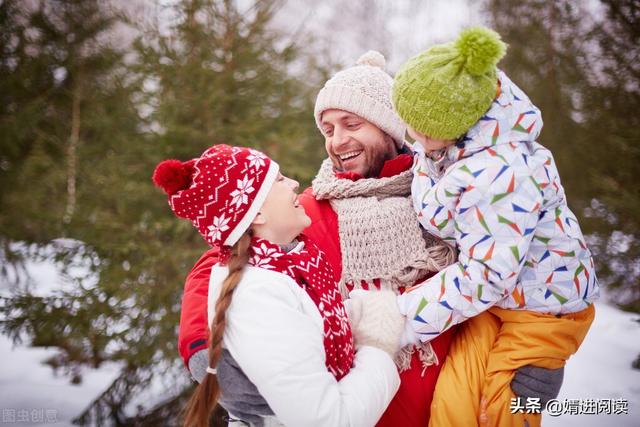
(494, 218)
(280, 348)
(433, 198)
(323, 229)
(194, 330)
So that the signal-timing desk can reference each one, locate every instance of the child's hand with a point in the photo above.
(535, 382)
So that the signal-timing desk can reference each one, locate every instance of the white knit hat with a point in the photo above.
(365, 90)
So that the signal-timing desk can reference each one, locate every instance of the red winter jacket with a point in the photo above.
(411, 404)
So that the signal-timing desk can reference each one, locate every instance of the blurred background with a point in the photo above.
(93, 94)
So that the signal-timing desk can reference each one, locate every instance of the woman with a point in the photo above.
(274, 308)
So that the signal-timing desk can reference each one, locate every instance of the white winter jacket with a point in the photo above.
(275, 333)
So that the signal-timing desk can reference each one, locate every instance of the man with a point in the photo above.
(363, 219)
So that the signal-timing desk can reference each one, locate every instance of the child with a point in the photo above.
(276, 315)
(483, 184)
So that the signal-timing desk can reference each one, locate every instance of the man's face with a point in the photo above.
(354, 144)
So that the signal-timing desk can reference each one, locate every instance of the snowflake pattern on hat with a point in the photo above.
(220, 225)
(241, 194)
(256, 159)
(227, 187)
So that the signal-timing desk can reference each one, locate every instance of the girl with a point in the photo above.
(277, 319)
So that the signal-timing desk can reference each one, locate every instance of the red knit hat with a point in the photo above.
(221, 192)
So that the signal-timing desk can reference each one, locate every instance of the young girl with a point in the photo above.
(277, 319)
(483, 183)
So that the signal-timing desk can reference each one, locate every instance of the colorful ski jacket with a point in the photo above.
(496, 195)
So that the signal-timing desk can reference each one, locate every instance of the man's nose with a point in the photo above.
(341, 136)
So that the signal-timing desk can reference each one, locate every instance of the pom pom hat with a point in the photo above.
(364, 90)
(443, 91)
(221, 192)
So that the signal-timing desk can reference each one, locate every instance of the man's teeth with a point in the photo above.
(349, 155)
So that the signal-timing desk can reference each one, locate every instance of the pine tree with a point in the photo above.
(79, 162)
(223, 75)
(76, 167)
(614, 131)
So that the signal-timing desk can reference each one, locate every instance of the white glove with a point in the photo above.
(409, 335)
(376, 320)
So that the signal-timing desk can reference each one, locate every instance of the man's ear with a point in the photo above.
(260, 219)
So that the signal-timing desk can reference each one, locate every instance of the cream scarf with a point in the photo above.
(381, 238)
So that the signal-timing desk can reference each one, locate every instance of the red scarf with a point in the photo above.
(390, 168)
(308, 267)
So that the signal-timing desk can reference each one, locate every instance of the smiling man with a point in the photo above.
(355, 144)
(363, 217)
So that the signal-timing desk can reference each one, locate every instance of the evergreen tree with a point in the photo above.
(77, 166)
(223, 75)
(613, 127)
(79, 159)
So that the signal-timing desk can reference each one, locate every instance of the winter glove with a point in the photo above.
(376, 320)
(542, 383)
(198, 363)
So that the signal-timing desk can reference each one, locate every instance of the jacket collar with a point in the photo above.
(512, 118)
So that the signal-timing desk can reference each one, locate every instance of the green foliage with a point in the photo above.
(221, 76)
(82, 126)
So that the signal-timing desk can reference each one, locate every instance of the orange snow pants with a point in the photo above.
(483, 357)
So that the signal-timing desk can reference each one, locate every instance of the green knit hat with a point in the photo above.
(443, 91)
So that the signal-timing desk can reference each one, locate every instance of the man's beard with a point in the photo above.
(376, 160)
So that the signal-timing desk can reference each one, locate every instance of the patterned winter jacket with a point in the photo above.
(496, 195)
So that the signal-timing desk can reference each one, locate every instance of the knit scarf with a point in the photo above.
(381, 238)
(307, 266)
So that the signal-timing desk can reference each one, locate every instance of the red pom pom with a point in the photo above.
(172, 176)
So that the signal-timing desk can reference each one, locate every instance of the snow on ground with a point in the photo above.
(31, 394)
(600, 370)
(27, 384)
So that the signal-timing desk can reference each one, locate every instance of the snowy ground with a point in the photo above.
(28, 385)
(31, 394)
(600, 370)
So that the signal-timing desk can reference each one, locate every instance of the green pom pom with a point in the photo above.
(481, 49)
